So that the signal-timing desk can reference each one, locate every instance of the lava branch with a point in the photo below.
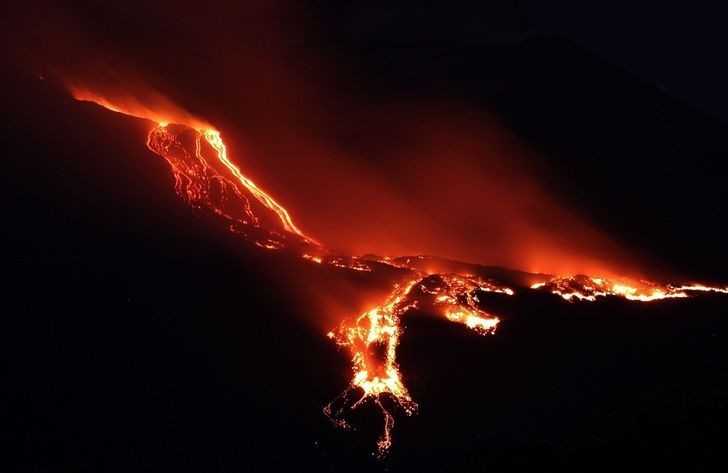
(192, 172)
(373, 337)
(195, 180)
(215, 140)
(585, 288)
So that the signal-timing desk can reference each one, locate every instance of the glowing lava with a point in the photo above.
(585, 288)
(196, 179)
(205, 177)
(372, 340)
(214, 139)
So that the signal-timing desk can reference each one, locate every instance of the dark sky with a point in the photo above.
(676, 46)
(679, 46)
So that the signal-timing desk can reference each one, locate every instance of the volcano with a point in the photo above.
(166, 311)
(168, 342)
(205, 177)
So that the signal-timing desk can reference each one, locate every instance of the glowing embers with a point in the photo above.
(372, 340)
(586, 288)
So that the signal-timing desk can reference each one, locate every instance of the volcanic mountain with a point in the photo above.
(155, 336)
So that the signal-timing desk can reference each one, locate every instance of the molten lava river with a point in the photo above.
(207, 178)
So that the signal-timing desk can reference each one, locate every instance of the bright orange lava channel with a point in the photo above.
(372, 340)
(212, 137)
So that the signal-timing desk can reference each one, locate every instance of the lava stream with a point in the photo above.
(585, 288)
(372, 340)
(191, 170)
(214, 139)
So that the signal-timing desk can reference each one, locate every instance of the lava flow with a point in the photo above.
(372, 339)
(205, 177)
(585, 288)
(197, 179)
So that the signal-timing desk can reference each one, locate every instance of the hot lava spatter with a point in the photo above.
(206, 178)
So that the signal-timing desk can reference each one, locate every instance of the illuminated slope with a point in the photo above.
(195, 176)
(372, 340)
(205, 177)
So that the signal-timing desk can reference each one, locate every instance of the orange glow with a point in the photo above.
(205, 177)
(214, 139)
(372, 340)
(350, 263)
(315, 259)
(586, 288)
(162, 113)
(375, 374)
(160, 140)
(702, 288)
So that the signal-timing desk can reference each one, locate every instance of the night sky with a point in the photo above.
(674, 47)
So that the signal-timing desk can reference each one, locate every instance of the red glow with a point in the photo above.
(162, 112)
(191, 170)
(400, 178)
(372, 337)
